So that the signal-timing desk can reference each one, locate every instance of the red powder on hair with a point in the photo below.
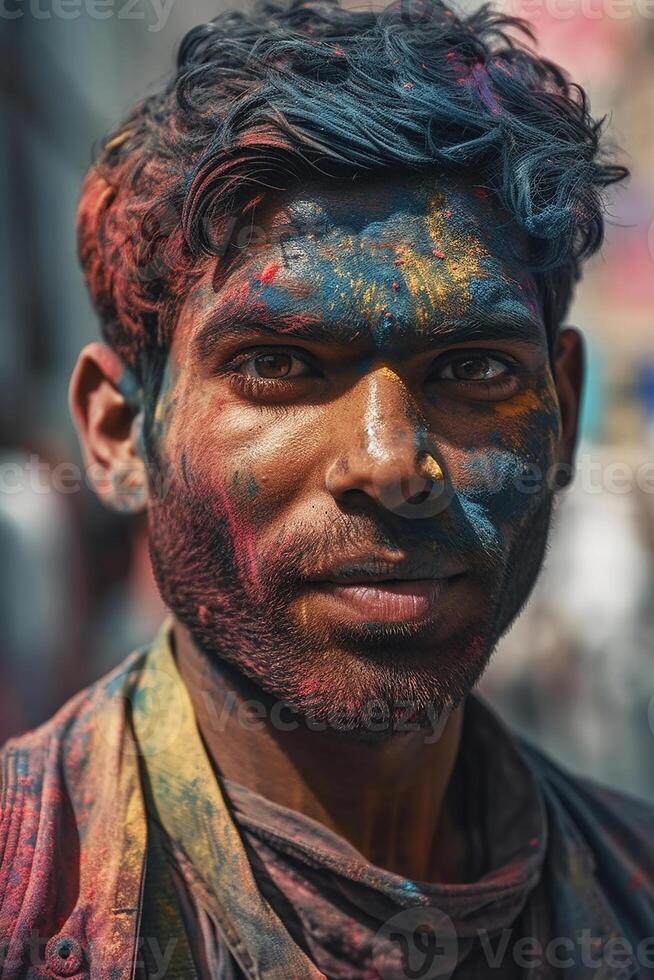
(268, 274)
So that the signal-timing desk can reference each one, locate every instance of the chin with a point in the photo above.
(381, 680)
(407, 642)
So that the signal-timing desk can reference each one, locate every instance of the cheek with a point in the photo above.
(500, 483)
(252, 462)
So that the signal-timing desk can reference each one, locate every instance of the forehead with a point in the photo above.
(402, 255)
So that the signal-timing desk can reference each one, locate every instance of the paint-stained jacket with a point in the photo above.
(73, 842)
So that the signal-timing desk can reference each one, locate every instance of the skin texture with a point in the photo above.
(402, 342)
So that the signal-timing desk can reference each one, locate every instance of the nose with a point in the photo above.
(384, 450)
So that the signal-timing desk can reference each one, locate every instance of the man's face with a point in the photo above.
(369, 338)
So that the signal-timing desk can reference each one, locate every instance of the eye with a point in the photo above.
(474, 367)
(274, 366)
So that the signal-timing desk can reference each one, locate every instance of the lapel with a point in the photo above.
(190, 807)
(101, 774)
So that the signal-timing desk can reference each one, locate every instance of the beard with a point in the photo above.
(236, 596)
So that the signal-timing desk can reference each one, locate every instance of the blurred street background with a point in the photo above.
(577, 670)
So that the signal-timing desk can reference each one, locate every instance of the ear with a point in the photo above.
(568, 369)
(104, 403)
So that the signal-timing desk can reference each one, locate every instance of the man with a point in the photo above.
(332, 261)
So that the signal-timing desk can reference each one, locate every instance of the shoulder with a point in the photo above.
(617, 828)
(600, 842)
(65, 797)
(596, 804)
(40, 768)
(85, 733)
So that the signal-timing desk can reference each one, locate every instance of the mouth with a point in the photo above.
(375, 597)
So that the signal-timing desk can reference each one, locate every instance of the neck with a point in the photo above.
(393, 799)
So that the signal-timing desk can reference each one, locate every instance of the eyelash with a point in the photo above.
(246, 384)
(497, 385)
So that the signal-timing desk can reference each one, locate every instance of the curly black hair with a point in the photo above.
(295, 88)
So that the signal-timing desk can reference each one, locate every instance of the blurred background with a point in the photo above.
(576, 672)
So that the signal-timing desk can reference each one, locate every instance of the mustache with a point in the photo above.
(298, 555)
(303, 548)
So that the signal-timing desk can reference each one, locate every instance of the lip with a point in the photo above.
(384, 600)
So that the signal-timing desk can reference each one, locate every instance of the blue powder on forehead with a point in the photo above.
(499, 295)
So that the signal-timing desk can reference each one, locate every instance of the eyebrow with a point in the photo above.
(518, 325)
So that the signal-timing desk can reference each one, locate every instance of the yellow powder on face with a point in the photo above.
(525, 409)
(442, 283)
(436, 281)
(303, 612)
(520, 404)
(370, 296)
(529, 400)
(391, 375)
(430, 468)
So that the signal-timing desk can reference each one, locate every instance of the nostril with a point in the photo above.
(420, 497)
